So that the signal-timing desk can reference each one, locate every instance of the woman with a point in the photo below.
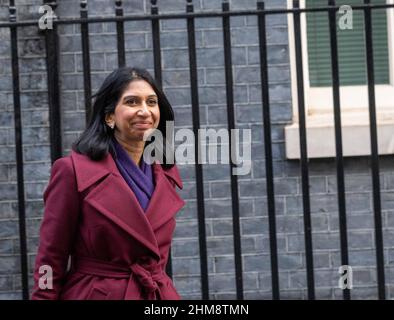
(108, 210)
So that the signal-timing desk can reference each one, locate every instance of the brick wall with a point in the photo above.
(252, 189)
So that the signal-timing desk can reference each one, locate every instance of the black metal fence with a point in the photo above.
(52, 58)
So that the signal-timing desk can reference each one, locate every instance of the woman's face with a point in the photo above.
(137, 111)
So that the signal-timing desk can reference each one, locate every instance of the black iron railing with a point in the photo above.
(52, 58)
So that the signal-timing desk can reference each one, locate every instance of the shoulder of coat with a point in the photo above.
(88, 171)
(63, 164)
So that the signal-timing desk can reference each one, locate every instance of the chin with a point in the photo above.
(139, 137)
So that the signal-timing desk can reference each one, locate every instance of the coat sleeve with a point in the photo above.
(57, 231)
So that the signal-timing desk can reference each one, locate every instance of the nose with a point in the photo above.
(144, 109)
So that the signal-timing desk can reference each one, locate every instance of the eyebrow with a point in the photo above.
(133, 96)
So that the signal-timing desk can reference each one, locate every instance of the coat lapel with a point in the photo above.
(114, 199)
(165, 201)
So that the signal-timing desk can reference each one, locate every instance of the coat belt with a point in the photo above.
(149, 275)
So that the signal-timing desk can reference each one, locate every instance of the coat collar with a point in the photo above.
(88, 171)
(111, 196)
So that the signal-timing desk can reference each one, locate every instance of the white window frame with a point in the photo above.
(354, 104)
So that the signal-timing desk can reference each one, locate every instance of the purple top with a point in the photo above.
(140, 179)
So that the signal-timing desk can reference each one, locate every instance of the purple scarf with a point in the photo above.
(139, 179)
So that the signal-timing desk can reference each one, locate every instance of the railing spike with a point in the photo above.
(12, 11)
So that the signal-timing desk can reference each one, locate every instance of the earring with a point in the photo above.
(111, 125)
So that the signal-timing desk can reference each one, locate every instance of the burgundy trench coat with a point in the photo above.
(117, 251)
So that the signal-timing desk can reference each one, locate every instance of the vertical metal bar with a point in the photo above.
(86, 59)
(228, 66)
(158, 77)
(374, 153)
(304, 153)
(156, 42)
(19, 152)
(268, 147)
(52, 60)
(338, 140)
(120, 34)
(198, 167)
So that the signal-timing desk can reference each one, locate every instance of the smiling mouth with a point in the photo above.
(142, 124)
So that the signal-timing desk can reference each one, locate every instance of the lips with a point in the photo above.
(142, 124)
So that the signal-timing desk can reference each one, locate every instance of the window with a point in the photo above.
(351, 47)
(353, 80)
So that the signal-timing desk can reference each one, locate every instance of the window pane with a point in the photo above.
(351, 46)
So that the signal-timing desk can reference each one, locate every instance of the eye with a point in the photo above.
(152, 102)
(131, 101)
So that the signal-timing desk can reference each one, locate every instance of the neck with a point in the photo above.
(134, 149)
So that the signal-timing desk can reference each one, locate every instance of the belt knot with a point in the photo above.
(148, 274)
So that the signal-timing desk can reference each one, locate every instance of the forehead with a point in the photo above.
(139, 88)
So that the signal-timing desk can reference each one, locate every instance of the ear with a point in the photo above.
(109, 117)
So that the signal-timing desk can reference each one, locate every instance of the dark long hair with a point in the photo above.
(96, 140)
